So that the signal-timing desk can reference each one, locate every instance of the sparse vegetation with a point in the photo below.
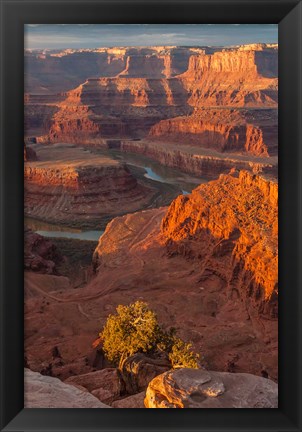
(182, 355)
(134, 329)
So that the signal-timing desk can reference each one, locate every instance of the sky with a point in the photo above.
(60, 36)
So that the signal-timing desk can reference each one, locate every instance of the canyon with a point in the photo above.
(221, 99)
(200, 162)
(68, 185)
(171, 155)
(208, 261)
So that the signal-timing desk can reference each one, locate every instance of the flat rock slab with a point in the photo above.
(46, 392)
(134, 401)
(196, 388)
(107, 379)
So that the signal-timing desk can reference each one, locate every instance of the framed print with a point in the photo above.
(151, 215)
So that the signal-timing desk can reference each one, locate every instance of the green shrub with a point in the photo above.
(134, 329)
(182, 355)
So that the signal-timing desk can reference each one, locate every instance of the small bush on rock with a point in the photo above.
(134, 329)
(182, 355)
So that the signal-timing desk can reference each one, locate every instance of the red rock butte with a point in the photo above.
(158, 93)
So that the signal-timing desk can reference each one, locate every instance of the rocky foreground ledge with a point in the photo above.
(46, 392)
(194, 388)
(182, 388)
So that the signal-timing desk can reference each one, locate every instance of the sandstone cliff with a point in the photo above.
(213, 216)
(240, 77)
(195, 160)
(75, 66)
(233, 77)
(70, 186)
(250, 131)
(116, 107)
(162, 92)
(210, 262)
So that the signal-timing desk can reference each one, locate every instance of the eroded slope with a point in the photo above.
(207, 265)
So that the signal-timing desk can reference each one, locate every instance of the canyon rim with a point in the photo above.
(151, 216)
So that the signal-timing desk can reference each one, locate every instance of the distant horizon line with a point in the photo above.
(149, 46)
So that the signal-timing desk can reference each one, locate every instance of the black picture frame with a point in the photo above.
(16, 13)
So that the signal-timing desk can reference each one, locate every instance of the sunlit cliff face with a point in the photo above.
(239, 213)
(210, 260)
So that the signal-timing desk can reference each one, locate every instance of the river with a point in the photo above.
(148, 168)
(159, 173)
(60, 231)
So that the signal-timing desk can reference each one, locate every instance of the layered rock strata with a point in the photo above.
(242, 76)
(76, 187)
(197, 161)
(115, 107)
(38, 118)
(75, 66)
(247, 131)
(168, 93)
